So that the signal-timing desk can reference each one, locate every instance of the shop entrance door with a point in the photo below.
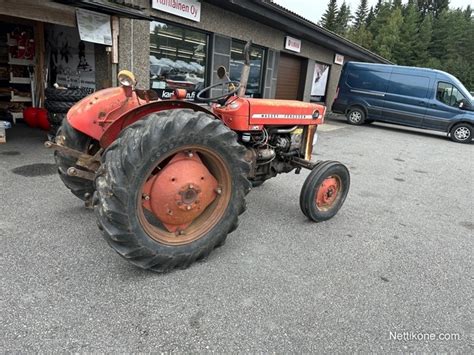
(289, 77)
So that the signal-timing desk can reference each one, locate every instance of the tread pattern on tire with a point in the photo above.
(307, 191)
(56, 118)
(454, 139)
(69, 95)
(78, 141)
(58, 106)
(154, 136)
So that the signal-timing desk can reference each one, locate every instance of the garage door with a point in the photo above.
(289, 73)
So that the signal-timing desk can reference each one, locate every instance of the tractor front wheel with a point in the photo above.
(171, 188)
(324, 191)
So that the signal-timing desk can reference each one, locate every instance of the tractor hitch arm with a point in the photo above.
(303, 163)
(89, 162)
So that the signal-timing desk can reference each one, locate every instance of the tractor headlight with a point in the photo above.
(315, 115)
(126, 78)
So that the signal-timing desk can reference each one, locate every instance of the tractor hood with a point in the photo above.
(94, 113)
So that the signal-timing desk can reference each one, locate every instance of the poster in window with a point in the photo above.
(320, 79)
(71, 60)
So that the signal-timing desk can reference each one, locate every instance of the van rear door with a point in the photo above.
(406, 97)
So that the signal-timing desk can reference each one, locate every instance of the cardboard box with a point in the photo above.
(3, 135)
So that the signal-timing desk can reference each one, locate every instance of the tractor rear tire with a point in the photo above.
(130, 162)
(257, 183)
(318, 204)
(73, 139)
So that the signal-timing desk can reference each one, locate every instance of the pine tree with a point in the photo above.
(370, 17)
(377, 7)
(361, 14)
(424, 40)
(434, 7)
(328, 20)
(405, 51)
(342, 19)
(386, 30)
(361, 36)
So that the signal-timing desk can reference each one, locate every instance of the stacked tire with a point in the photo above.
(59, 101)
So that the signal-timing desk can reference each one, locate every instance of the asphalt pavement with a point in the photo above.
(396, 262)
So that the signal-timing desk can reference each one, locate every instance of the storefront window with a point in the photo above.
(254, 85)
(177, 59)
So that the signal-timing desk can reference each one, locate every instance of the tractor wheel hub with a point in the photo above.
(180, 192)
(327, 192)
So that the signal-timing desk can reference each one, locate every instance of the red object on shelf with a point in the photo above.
(42, 119)
(29, 116)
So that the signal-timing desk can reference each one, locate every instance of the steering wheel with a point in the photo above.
(225, 95)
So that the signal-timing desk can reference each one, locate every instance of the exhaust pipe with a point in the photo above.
(244, 76)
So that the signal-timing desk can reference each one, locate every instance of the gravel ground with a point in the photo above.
(397, 258)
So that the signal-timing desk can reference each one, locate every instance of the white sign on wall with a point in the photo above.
(190, 9)
(94, 27)
(292, 44)
(339, 59)
(320, 79)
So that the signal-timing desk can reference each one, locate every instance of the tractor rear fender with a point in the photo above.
(113, 130)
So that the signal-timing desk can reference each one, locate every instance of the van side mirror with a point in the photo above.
(465, 105)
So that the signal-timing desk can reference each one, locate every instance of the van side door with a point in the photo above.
(406, 98)
(443, 107)
(367, 88)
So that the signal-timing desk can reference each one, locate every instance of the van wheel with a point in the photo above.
(355, 116)
(461, 133)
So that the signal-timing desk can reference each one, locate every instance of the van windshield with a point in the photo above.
(462, 89)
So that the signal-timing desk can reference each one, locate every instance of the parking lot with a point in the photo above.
(397, 258)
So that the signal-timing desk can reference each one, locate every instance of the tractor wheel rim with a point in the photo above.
(328, 193)
(355, 116)
(184, 196)
(462, 133)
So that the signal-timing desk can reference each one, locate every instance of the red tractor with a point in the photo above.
(168, 178)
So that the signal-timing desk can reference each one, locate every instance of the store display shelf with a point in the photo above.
(19, 80)
(17, 98)
(16, 116)
(18, 61)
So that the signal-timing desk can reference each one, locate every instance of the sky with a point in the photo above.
(313, 9)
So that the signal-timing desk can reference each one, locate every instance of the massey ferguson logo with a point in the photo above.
(281, 116)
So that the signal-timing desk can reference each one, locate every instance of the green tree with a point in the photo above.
(362, 36)
(377, 7)
(386, 30)
(434, 7)
(328, 20)
(424, 39)
(361, 14)
(370, 17)
(405, 52)
(342, 19)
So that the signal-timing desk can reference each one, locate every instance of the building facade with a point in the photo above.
(184, 42)
(170, 44)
